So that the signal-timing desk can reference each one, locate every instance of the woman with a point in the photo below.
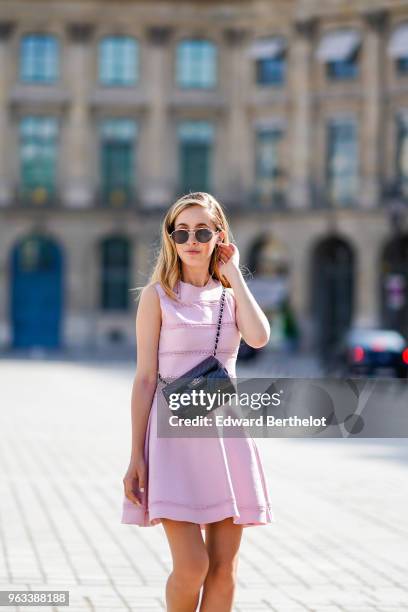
(194, 484)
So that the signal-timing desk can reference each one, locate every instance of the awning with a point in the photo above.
(270, 123)
(266, 48)
(398, 44)
(196, 131)
(338, 45)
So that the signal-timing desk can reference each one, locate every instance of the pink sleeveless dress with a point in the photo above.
(200, 480)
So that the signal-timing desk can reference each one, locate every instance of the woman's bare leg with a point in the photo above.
(222, 541)
(190, 565)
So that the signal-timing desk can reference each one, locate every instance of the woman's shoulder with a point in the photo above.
(150, 293)
(156, 288)
(148, 308)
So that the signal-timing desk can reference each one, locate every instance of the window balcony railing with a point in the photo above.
(322, 196)
(116, 198)
(181, 190)
(36, 197)
(41, 198)
(273, 199)
(257, 199)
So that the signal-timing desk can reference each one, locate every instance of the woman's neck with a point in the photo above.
(198, 280)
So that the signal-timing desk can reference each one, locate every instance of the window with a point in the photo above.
(269, 175)
(402, 154)
(38, 157)
(342, 162)
(339, 50)
(196, 64)
(343, 68)
(39, 58)
(117, 161)
(270, 60)
(398, 47)
(195, 155)
(402, 65)
(271, 71)
(118, 61)
(115, 264)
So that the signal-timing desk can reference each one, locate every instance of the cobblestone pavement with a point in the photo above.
(340, 541)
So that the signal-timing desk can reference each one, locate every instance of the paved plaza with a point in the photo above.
(340, 541)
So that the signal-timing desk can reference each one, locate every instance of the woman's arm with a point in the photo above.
(251, 320)
(148, 324)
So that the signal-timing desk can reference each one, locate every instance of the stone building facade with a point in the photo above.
(293, 113)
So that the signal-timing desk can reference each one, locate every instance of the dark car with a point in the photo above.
(371, 351)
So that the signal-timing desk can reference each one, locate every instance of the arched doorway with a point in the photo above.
(269, 262)
(394, 285)
(332, 291)
(36, 293)
(269, 257)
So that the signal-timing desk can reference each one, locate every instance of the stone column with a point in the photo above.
(236, 150)
(78, 187)
(367, 275)
(6, 29)
(372, 127)
(300, 74)
(155, 169)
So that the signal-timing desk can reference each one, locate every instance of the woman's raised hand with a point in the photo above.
(228, 259)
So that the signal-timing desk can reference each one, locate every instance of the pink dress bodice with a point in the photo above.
(196, 312)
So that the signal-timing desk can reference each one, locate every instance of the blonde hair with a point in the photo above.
(167, 268)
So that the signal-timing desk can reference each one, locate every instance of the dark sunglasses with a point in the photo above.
(180, 236)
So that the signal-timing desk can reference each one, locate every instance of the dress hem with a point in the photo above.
(247, 516)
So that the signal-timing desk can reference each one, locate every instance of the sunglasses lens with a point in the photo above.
(203, 235)
(180, 236)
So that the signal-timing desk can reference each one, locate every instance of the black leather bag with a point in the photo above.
(209, 375)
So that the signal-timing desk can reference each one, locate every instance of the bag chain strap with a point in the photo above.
(217, 335)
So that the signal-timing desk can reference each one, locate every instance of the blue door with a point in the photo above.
(36, 296)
